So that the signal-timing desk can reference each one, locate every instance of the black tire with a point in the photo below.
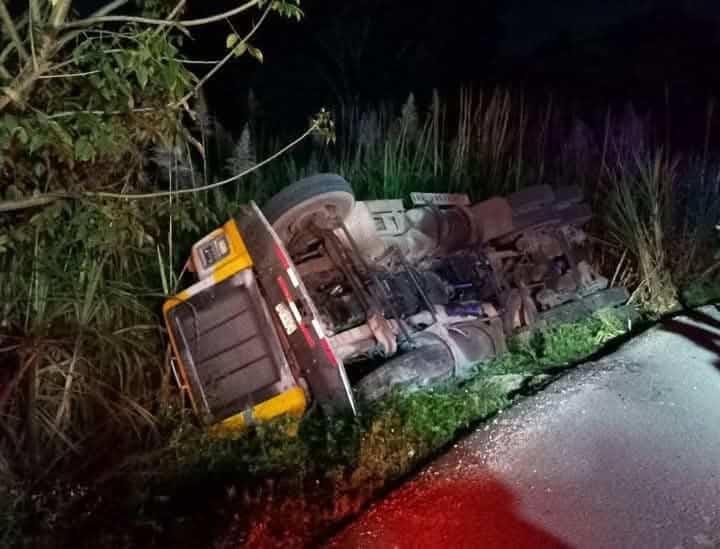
(304, 189)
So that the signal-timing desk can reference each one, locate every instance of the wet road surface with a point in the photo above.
(623, 452)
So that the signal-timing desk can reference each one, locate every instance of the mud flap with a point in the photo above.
(295, 313)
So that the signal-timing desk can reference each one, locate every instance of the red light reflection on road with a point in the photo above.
(458, 513)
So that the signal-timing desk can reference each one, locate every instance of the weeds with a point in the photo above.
(81, 343)
(385, 156)
(639, 218)
(700, 293)
(557, 346)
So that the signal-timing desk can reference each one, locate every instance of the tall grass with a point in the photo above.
(640, 217)
(481, 151)
(655, 208)
(80, 343)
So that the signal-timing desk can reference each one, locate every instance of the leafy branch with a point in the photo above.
(90, 21)
(83, 107)
(31, 69)
(236, 51)
(62, 32)
(322, 124)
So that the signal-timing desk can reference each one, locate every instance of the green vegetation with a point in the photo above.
(558, 346)
(82, 284)
(86, 106)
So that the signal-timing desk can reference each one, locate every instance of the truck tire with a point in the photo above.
(325, 197)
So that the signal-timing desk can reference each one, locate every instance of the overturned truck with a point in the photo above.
(321, 298)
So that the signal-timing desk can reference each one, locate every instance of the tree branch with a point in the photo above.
(28, 75)
(215, 185)
(59, 13)
(22, 83)
(11, 45)
(162, 22)
(67, 75)
(33, 15)
(177, 9)
(43, 200)
(225, 59)
(12, 31)
(34, 202)
(65, 114)
(108, 8)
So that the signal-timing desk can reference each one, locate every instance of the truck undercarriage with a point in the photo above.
(354, 298)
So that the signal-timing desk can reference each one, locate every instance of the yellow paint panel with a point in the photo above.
(238, 260)
(292, 402)
(239, 257)
(239, 250)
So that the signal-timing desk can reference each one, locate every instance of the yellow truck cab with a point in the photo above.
(245, 336)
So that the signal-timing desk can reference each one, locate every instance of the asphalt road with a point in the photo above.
(620, 453)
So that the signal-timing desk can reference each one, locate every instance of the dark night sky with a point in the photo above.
(590, 51)
(529, 25)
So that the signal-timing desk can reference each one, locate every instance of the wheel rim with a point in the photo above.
(325, 211)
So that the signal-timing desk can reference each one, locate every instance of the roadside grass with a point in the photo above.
(558, 346)
(430, 417)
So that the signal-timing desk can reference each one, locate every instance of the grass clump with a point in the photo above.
(557, 346)
(80, 344)
(640, 219)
